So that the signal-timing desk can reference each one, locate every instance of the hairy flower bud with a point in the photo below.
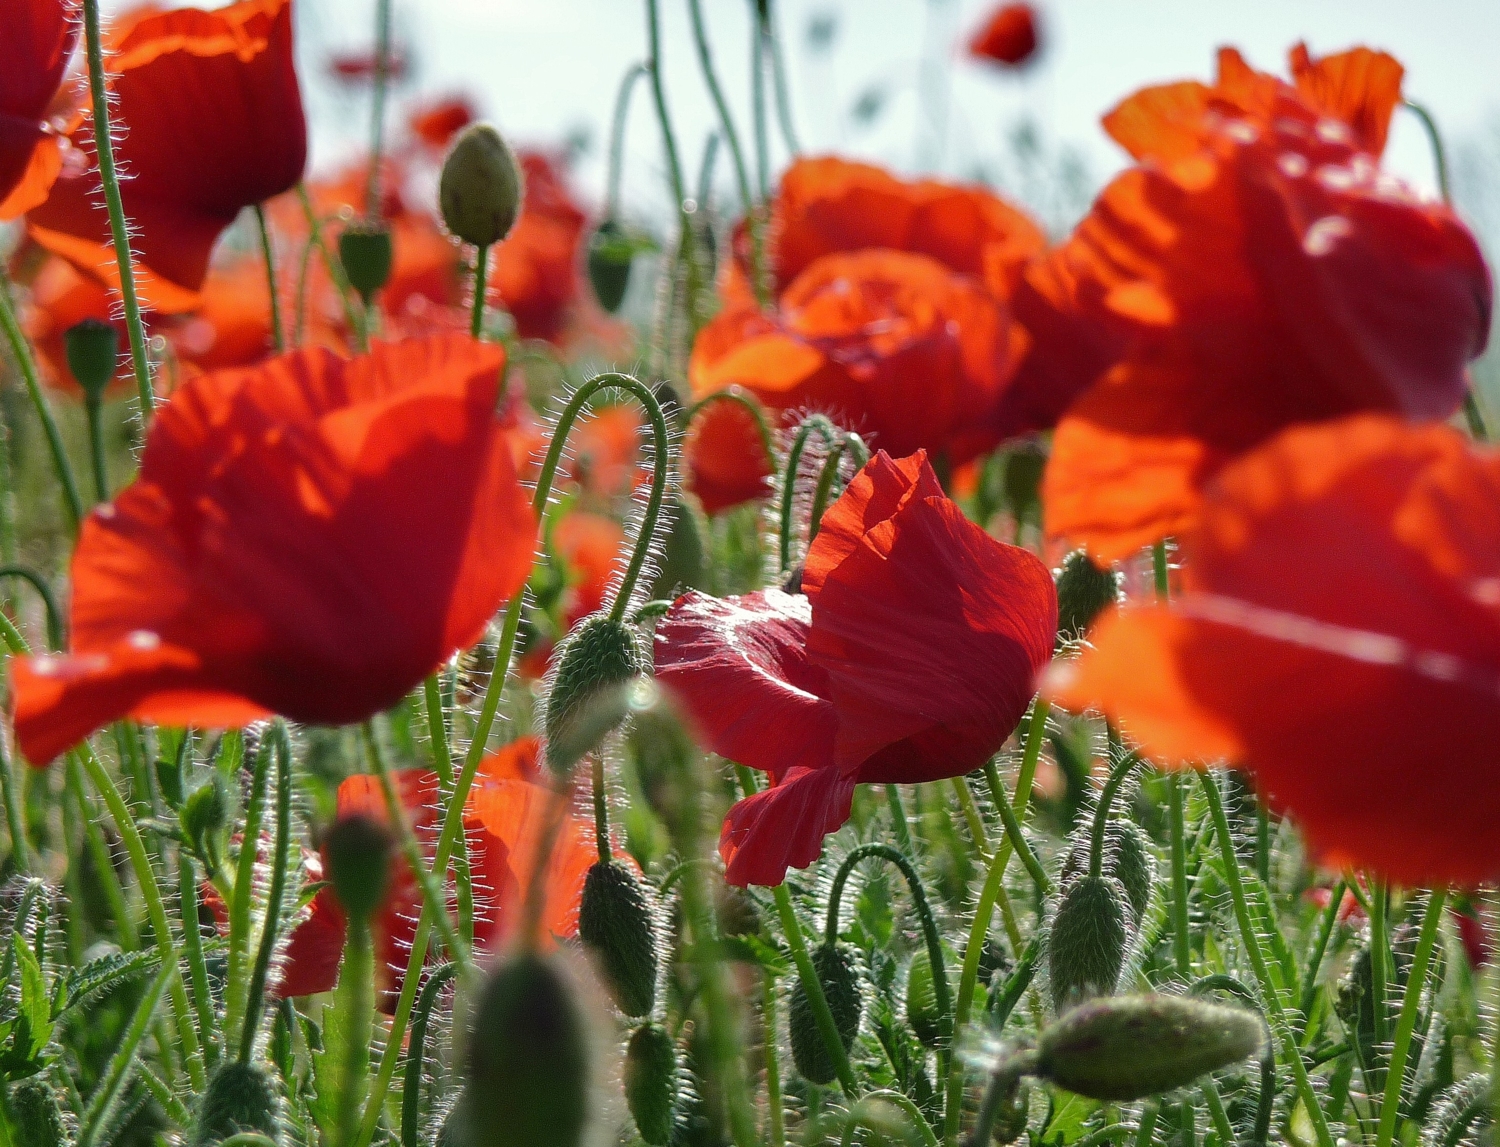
(34, 1114)
(1128, 1047)
(615, 922)
(834, 964)
(357, 858)
(1023, 478)
(1084, 591)
(1131, 863)
(921, 1000)
(92, 349)
(239, 1097)
(610, 255)
(480, 189)
(598, 656)
(366, 253)
(651, 1089)
(1086, 950)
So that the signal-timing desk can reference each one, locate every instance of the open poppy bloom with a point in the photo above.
(535, 269)
(278, 510)
(892, 344)
(39, 39)
(1339, 636)
(212, 122)
(1008, 37)
(727, 457)
(1258, 271)
(908, 656)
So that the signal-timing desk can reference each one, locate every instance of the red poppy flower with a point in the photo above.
(231, 325)
(59, 298)
(310, 536)
(1008, 37)
(1339, 636)
(39, 39)
(908, 656)
(892, 344)
(211, 121)
(360, 67)
(727, 457)
(436, 124)
(605, 448)
(534, 270)
(590, 548)
(1273, 276)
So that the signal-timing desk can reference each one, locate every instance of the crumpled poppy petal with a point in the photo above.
(1361, 87)
(783, 826)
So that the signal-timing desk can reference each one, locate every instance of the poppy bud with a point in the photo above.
(610, 256)
(834, 964)
(480, 188)
(1084, 590)
(206, 811)
(450, 1132)
(239, 1097)
(1129, 1047)
(921, 1000)
(1086, 950)
(528, 1060)
(366, 253)
(1132, 864)
(357, 859)
(616, 923)
(92, 349)
(600, 654)
(34, 1114)
(651, 1083)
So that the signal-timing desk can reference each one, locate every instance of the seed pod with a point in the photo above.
(366, 253)
(921, 1000)
(600, 655)
(616, 923)
(35, 1114)
(1086, 949)
(610, 256)
(239, 1097)
(1084, 591)
(651, 1089)
(357, 858)
(480, 188)
(1128, 1047)
(834, 964)
(92, 350)
(528, 1060)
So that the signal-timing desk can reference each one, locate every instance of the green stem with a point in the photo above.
(1326, 925)
(119, 231)
(102, 1101)
(278, 335)
(355, 1002)
(241, 903)
(601, 810)
(26, 364)
(481, 269)
(617, 139)
(1147, 1129)
(192, 942)
(416, 1057)
(669, 138)
(824, 489)
(442, 756)
(1251, 940)
(783, 96)
(15, 815)
(1380, 955)
(1182, 948)
(1015, 839)
(898, 817)
(815, 998)
(377, 110)
(104, 865)
(275, 895)
(862, 1113)
(1416, 984)
(775, 1115)
(758, 36)
(742, 398)
(334, 268)
(93, 409)
(1439, 153)
(1117, 777)
(794, 454)
(49, 601)
(970, 809)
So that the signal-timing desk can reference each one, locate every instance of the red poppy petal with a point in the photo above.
(314, 951)
(783, 826)
(29, 165)
(1361, 87)
(875, 494)
(1163, 122)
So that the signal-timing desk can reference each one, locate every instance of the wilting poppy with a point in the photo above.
(1339, 636)
(311, 536)
(1007, 37)
(1266, 275)
(39, 39)
(211, 122)
(534, 270)
(908, 656)
(727, 456)
(895, 345)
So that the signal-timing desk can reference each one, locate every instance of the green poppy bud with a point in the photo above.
(616, 924)
(239, 1097)
(597, 657)
(1128, 1047)
(834, 964)
(357, 856)
(1084, 591)
(921, 1000)
(527, 1070)
(737, 911)
(1086, 950)
(480, 189)
(92, 348)
(35, 1115)
(1131, 863)
(651, 1089)
(366, 253)
(610, 256)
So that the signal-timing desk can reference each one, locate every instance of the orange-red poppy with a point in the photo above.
(909, 656)
(59, 297)
(1338, 636)
(39, 39)
(604, 449)
(211, 122)
(436, 124)
(1272, 275)
(727, 457)
(894, 345)
(591, 548)
(231, 326)
(1009, 36)
(311, 536)
(535, 269)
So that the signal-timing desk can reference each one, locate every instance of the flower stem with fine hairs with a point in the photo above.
(830, 434)
(416, 1057)
(759, 34)
(278, 336)
(1117, 777)
(1416, 984)
(601, 809)
(280, 858)
(15, 815)
(481, 269)
(354, 1003)
(240, 904)
(119, 232)
(442, 756)
(669, 139)
(783, 96)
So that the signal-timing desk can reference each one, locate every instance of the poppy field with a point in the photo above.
(853, 656)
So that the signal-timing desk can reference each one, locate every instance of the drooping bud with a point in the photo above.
(92, 348)
(610, 255)
(1131, 863)
(599, 656)
(239, 1097)
(921, 1000)
(616, 923)
(1128, 1047)
(1086, 949)
(35, 1114)
(366, 253)
(357, 859)
(651, 1089)
(528, 1060)
(1084, 591)
(480, 189)
(737, 912)
(834, 964)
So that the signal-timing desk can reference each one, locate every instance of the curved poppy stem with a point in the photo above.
(750, 405)
(808, 975)
(377, 111)
(783, 96)
(830, 434)
(1117, 777)
(334, 268)
(669, 138)
(278, 336)
(860, 1115)
(119, 231)
(275, 894)
(416, 1057)
(617, 139)
(49, 600)
(758, 36)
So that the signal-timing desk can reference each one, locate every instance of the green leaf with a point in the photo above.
(101, 974)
